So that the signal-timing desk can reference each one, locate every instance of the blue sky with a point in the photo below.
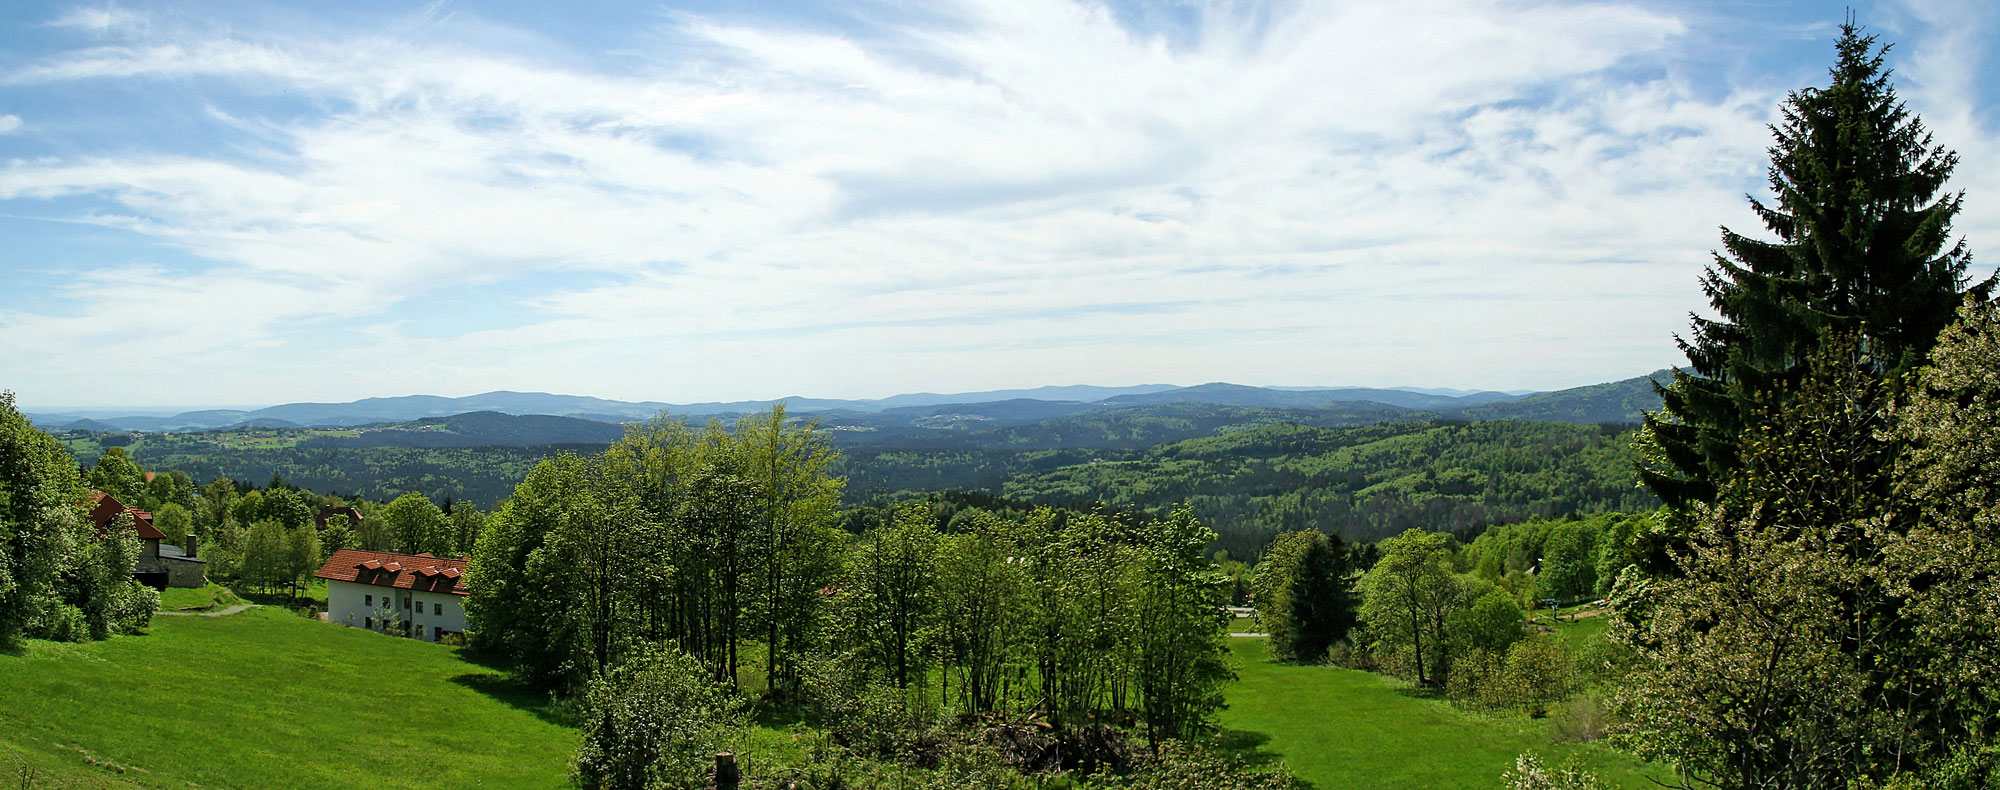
(241, 203)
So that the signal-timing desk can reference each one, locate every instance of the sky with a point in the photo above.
(230, 203)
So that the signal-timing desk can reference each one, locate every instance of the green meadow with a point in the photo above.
(1344, 728)
(266, 698)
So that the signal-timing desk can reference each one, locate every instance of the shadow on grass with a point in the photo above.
(1413, 691)
(1249, 746)
(485, 659)
(777, 715)
(517, 695)
(303, 607)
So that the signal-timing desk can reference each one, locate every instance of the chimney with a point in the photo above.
(192, 546)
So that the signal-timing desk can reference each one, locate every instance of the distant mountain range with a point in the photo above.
(1619, 401)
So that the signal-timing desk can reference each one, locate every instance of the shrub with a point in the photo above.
(1537, 675)
(1581, 719)
(134, 610)
(1530, 774)
(1472, 677)
(1183, 766)
(653, 721)
(66, 623)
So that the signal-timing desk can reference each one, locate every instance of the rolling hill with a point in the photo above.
(1611, 402)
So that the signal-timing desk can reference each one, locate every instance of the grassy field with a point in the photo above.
(1343, 728)
(1581, 632)
(267, 698)
(213, 596)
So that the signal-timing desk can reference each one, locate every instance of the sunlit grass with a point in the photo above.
(1344, 728)
(267, 698)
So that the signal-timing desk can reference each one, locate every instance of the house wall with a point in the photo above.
(149, 557)
(438, 611)
(182, 573)
(346, 602)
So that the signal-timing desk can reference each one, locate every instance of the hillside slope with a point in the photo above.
(1366, 482)
(477, 429)
(270, 699)
(1610, 402)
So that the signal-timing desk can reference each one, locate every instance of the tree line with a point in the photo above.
(59, 577)
(717, 550)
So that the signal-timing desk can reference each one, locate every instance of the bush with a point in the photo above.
(1530, 774)
(66, 623)
(1537, 675)
(832, 767)
(654, 721)
(134, 610)
(1183, 766)
(1473, 677)
(1581, 719)
(1603, 663)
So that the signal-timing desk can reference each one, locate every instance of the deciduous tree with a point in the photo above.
(415, 526)
(1407, 600)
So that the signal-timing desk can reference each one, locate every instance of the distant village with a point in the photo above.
(419, 596)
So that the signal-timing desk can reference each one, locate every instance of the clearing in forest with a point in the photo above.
(1345, 728)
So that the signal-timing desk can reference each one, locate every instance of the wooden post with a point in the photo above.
(726, 775)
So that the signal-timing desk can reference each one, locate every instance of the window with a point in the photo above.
(367, 600)
(367, 622)
(406, 602)
(420, 632)
(437, 609)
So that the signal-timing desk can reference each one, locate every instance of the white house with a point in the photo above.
(415, 595)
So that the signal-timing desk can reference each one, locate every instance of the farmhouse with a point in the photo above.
(415, 595)
(161, 563)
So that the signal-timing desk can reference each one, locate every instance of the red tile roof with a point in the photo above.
(421, 572)
(104, 509)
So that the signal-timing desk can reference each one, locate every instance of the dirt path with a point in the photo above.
(230, 610)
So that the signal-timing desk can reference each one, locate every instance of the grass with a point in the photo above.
(211, 596)
(282, 701)
(1344, 728)
(1581, 632)
(277, 700)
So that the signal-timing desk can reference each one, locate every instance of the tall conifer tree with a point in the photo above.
(1863, 247)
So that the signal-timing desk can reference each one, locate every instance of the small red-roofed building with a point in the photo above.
(161, 564)
(417, 595)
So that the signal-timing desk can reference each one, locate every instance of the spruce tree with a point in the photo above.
(1321, 599)
(1863, 248)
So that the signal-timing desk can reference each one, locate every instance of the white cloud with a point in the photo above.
(9, 123)
(99, 20)
(1438, 192)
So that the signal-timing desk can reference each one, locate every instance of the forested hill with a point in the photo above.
(1367, 482)
(1617, 401)
(1365, 468)
(1614, 402)
(476, 429)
